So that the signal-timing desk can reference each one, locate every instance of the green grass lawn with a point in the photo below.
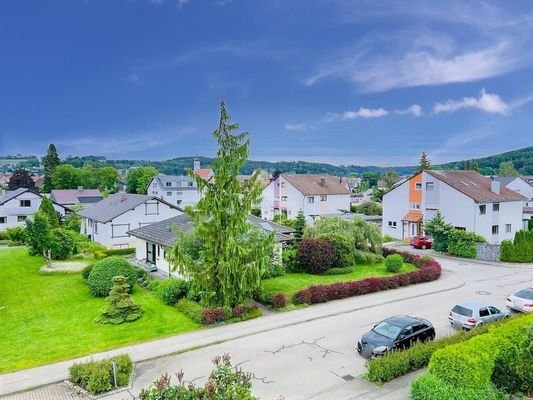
(291, 283)
(49, 317)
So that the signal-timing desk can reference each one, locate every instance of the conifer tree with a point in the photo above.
(232, 258)
(120, 306)
(424, 164)
(299, 225)
(50, 162)
(467, 165)
(47, 209)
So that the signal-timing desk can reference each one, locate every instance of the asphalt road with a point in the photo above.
(317, 359)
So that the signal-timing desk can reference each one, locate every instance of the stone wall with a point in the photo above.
(488, 252)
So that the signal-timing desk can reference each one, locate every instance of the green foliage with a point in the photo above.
(38, 234)
(507, 168)
(299, 225)
(290, 260)
(390, 178)
(388, 238)
(21, 178)
(231, 263)
(256, 212)
(369, 208)
(66, 177)
(463, 244)
(344, 250)
(73, 222)
(170, 291)
(50, 162)
(440, 231)
(520, 249)
(365, 257)
(120, 307)
(339, 271)
(393, 262)
(17, 235)
(191, 309)
(430, 387)
(85, 272)
(424, 164)
(119, 252)
(47, 208)
(97, 376)
(275, 265)
(106, 179)
(101, 278)
(62, 244)
(138, 179)
(225, 383)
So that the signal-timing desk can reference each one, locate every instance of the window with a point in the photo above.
(151, 208)
(167, 184)
(310, 200)
(415, 206)
(460, 228)
(189, 184)
(25, 203)
(495, 229)
(392, 224)
(154, 184)
(418, 186)
(323, 198)
(430, 186)
(494, 310)
(96, 228)
(507, 228)
(282, 184)
(179, 202)
(178, 184)
(119, 230)
(496, 207)
(169, 193)
(484, 312)
(3, 220)
(483, 209)
(179, 193)
(283, 198)
(21, 218)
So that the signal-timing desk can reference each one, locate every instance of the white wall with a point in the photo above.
(185, 196)
(113, 233)
(11, 210)
(395, 206)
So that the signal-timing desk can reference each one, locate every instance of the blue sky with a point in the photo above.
(345, 82)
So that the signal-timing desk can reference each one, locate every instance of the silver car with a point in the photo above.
(521, 301)
(470, 314)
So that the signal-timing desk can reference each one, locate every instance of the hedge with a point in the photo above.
(119, 252)
(520, 249)
(97, 376)
(429, 387)
(464, 244)
(428, 270)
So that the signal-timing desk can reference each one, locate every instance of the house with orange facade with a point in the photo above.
(466, 199)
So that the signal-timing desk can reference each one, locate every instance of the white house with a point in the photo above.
(109, 221)
(520, 185)
(17, 205)
(314, 195)
(466, 199)
(180, 190)
(154, 242)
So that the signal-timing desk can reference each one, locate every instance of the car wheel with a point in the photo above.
(423, 247)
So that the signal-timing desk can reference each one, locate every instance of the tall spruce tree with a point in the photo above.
(50, 162)
(424, 164)
(232, 258)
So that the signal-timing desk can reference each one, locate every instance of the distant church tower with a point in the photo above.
(196, 164)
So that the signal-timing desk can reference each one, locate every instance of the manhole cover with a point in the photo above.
(483, 293)
(348, 378)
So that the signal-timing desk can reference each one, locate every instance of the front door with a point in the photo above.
(150, 253)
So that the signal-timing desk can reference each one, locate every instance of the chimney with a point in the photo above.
(80, 188)
(495, 186)
(322, 181)
(196, 165)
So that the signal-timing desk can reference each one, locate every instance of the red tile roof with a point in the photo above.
(317, 184)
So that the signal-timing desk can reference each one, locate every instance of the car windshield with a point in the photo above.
(388, 330)
(525, 294)
(467, 312)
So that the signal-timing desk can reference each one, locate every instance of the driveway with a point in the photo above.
(310, 353)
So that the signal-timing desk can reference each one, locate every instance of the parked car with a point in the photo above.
(470, 314)
(395, 333)
(421, 242)
(521, 301)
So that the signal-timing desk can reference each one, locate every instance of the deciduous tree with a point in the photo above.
(47, 209)
(21, 178)
(138, 179)
(507, 169)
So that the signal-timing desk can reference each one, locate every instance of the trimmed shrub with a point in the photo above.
(171, 290)
(251, 313)
(262, 297)
(16, 235)
(120, 307)
(366, 257)
(99, 255)
(302, 297)
(463, 244)
(393, 262)
(316, 255)
(3, 235)
(279, 300)
(101, 276)
(344, 249)
(429, 387)
(119, 252)
(520, 249)
(191, 309)
(290, 260)
(339, 271)
(63, 243)
(212, 315)
(86, 271)
(97, 376)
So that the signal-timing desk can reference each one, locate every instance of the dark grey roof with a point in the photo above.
(164, 232)
(117, 204)
(505, 180)
(11, 194)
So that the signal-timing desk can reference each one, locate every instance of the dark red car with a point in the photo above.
(421, 242)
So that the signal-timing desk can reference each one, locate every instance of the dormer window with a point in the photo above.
(167, 184)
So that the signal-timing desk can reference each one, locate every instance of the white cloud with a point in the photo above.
(364, 113)
(297, 127)
(134, 79)
(488, 102)
(415, 110)
(179, 3)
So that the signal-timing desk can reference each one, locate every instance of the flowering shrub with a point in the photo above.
(279, 301)
(428, 270)
(316, 255)
(211, 315)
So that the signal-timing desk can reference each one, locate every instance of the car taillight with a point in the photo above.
(471, 320)
(528, 305)
(450, 314)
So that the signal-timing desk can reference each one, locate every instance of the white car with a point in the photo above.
(521, 301)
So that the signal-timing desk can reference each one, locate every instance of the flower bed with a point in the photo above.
(427, 270)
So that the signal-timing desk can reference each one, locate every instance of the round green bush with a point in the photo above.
(86, 271)
(344, 249)
(101, 277)
(393, 262)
